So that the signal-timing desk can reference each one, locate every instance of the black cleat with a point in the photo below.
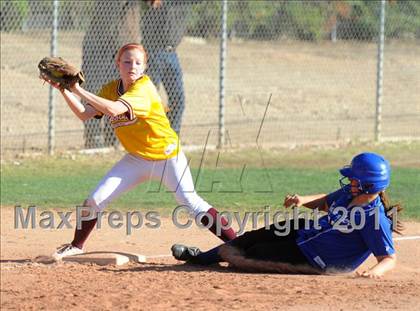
(185, 253)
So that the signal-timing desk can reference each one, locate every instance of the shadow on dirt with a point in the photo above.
(15, 260)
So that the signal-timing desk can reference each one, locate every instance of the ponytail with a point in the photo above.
(397, 227)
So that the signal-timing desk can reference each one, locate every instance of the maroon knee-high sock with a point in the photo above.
(81, 235)
(225, 234)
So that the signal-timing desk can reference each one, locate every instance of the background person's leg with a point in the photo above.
(92, 133)
(154, 67)
(172, 80)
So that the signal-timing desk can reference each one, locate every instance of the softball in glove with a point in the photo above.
(60, 71)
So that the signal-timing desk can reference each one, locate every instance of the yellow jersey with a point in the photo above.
(143, 130)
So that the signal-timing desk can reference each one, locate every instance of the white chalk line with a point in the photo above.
(402, 238)
(413, 237)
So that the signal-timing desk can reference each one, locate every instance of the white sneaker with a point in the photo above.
(66, 250)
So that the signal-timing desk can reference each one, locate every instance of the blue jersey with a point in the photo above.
(347, 236)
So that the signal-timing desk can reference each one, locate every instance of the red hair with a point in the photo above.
(131, 46)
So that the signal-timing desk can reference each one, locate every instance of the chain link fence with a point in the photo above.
(295, 72)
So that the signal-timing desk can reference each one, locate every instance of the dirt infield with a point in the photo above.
(164, 283)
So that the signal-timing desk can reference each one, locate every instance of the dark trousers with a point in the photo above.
(264, 244)
(164, 67)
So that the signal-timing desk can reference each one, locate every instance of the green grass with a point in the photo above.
(60, 182)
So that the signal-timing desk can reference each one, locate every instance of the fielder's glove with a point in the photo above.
(59, 71)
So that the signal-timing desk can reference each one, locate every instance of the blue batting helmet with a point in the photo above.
(371, 170)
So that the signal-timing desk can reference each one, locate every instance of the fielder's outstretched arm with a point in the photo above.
(108, 107)
(81, 111)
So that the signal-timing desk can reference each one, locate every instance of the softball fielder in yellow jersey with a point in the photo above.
(138, 117)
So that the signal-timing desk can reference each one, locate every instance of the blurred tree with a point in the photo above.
(13, 14)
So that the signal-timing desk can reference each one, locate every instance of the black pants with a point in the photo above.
(265, 244)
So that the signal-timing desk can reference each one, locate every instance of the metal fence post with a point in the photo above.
(51, 94)
(379, 77)
(222, 76)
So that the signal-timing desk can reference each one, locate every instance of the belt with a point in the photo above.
(169, 48)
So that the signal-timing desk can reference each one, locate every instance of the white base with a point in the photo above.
(106, 258)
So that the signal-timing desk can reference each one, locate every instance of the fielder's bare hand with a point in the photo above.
(52, 83)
